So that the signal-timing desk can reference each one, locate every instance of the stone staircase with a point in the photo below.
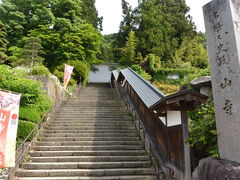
(92, 137)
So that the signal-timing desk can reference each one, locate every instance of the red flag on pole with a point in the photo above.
(67, 75)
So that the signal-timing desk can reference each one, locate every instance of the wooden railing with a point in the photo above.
(166, 144)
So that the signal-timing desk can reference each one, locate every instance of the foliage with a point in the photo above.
(14, 56)
(141, 72)
(13, 19)
(3, 42)
(82, 44)
(202, 39)
(194, 75)
(29, 114)
(90, 14)
(154, 62)
(24, 129)
(30, 89)
(80, 71)
(40, 70)
(161, 27)
(126, 24)
(128, 52)
(191, 51)
(59, 28)
(162, 74)
(32, 50)
(202, 126)
(166, 88)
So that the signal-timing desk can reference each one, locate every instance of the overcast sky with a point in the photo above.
(111, 10)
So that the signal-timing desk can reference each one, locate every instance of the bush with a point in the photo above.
(166, 88)
(24, 129)
(40, 70)
(154, 62)
(141, 72)
(203, 133)
(81, 70)
(196, 74)
(32, 96)
(29, 114)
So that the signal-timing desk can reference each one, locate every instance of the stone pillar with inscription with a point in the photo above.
(222, 22)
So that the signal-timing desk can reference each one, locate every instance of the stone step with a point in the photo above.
(134, 177)
(91, 116)
(89, 158)
(92, 112)
(60, 134)
(91, 137)
(87, 148)
(111, 110)
(89, 128)
(87, 153)
(87, 165)
(86, 123)
(93, 119)
(105, 96)
(87, 143)
(59, 139)
(90, 131)
(93, 104)
(84, 172)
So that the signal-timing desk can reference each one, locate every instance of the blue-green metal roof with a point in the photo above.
(145, 90)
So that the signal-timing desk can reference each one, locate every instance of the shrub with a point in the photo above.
(203, 134)
(81, 70)
(31, 94)
(166, 88)
(141, 72)
(154, 62)
(24, 128)
(29, 114)
(40, 70)
(196, 74)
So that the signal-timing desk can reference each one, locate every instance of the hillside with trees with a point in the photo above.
(38, 38)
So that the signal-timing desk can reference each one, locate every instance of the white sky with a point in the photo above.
(111, 10)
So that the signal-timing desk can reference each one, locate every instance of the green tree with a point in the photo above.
(192, 51)
(15, 55)
(32, 51)
(126, 24)
(82, 43)
(14, 21)
(162, 26)
(202, 39)
(90, 14)
(3, 42)
(128, 52)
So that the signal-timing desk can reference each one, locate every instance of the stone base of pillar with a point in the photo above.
(212, 168)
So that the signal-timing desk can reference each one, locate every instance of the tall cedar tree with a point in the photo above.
(3, 42)
(126, 24)
(32, 50)
(128, 52)
(163, 25)
(90, 14)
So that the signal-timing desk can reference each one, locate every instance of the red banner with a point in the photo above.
(4, 119)
(9, 110)
(67, 75)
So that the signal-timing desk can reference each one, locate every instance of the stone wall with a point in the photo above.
(52, 90)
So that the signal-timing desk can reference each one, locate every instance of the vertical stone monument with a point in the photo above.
(222, 21)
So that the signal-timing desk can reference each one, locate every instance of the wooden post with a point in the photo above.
(186, 148)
